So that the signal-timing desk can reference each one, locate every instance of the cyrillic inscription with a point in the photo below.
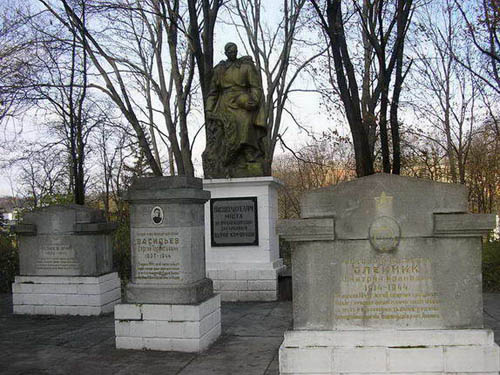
(57, 259)
(157, 254)
(389, 289)
(234, 221)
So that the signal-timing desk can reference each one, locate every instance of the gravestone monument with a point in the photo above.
(170, 303)
(65, 262)
(242, 247)
(387, 279)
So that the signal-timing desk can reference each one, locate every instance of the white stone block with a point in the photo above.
(130, 343)
(140, 328)
(156, 312)
(55, 288)
(415, 359)
(263, 284)
(209, 322)
(78, 300)
(210, 337)
(24, 309)
(94, 299)
(262, 274)
(191, 330)
(233, 285)
(169, 329)
(18, 299)
(22, 288)
(107, 297)
(122, 328)
(388, 337)
(45, 310)
(128, 311)
(181, 313)
(359, 360)
(185, 345)
(305, 361)
(63, 293)
(266, 295)
(157, 343)
(187, 334)
(210, 305)
(109, 276)
(230, 296)
(224, 275)
(88, 289)
(472, 359)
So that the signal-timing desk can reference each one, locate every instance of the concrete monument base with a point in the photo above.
(167, 327)
(66, 295)
(246, 281)
(470, 351)
(245, 272)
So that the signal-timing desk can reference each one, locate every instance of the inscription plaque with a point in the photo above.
(57, 259)
(234, 222)
(374, 292)
(157, 254)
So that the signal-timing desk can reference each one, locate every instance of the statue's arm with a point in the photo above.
(254, 83)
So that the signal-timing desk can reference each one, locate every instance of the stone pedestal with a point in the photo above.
(387, 279)
(242, 246)
(170, 302)
(65, 261)
(389, 352)
(168, 327)
(66, 295)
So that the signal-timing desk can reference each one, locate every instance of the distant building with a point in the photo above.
(9, 210)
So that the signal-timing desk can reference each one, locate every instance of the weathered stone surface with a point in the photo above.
(240, 270)
(426, 283)
(410, 201)
(405, 254)
(66, 240)
(396, 289)
(172, 294)
(179, 188)
(463, 224)
(298, 230)
(167, 240)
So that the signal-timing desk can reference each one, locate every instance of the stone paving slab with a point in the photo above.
(251, 336)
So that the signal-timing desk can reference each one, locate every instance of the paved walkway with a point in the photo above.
(251, 336)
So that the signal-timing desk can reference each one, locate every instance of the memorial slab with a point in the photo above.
(242, 245)
(168, 269)
(389, 254)
(61, 247)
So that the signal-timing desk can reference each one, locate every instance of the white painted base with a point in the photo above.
(182, 328)
(246, 273)
(245, 281)
(66, 295)
(470, 351)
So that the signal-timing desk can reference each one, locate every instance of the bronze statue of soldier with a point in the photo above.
(235, 119)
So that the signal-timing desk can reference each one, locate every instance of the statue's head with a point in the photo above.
(231, 51)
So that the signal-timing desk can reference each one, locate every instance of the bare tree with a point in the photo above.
(445, 93)
(482, 19)
(384, 26)
(320, 162)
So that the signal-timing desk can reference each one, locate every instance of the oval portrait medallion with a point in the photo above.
(384, 234)
(157, 215)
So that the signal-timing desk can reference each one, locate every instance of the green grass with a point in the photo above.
(491, 266)
(9, 261)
